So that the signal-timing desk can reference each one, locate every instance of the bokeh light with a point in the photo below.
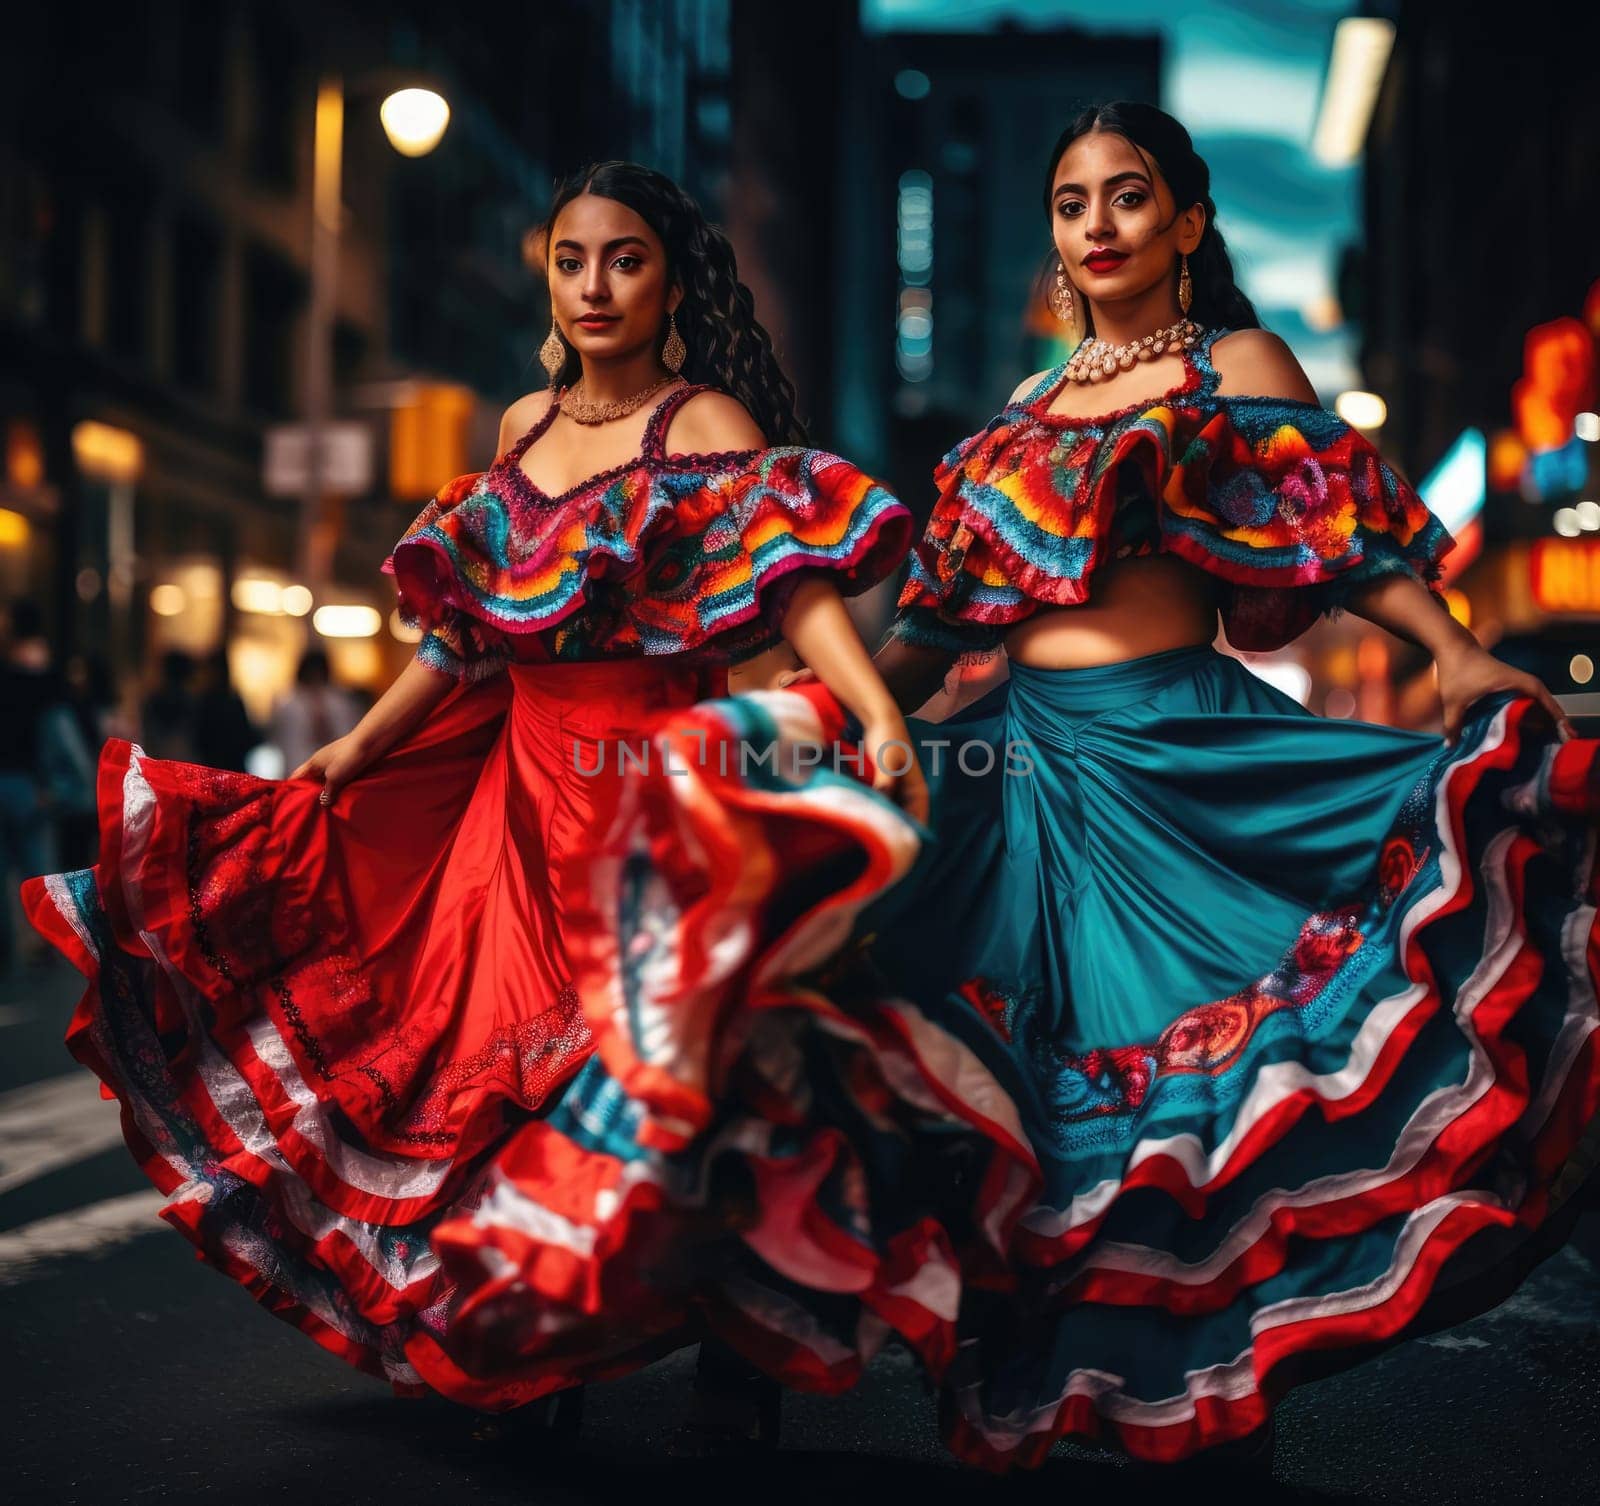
(414, 120)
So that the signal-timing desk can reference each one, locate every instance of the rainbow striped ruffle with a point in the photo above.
(665, 557)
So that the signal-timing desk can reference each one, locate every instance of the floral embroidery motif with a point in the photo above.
(1207, 1039)
(1396, 868)
(1282, 500)
(998, 1006)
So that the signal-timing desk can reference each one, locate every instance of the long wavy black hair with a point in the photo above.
(1218, 302)
(727, 346)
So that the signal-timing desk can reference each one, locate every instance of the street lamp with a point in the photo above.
(414, 120)
(115, 457)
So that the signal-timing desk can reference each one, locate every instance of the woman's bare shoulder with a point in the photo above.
(1257, 363)
(709, 423)
(521, 416)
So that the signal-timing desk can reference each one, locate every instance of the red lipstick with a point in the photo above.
(1104, 259)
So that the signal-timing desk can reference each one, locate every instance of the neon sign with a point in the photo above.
(1454, 491)
(1566, 575)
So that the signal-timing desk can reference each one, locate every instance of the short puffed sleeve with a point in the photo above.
(456, 640)
(746, 538)
(986, 549)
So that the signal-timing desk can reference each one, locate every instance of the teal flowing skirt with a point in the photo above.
(1201, 1045)
(1288, 1009)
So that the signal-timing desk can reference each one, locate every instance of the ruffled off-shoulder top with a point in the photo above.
(1282, 501)
(694, 555)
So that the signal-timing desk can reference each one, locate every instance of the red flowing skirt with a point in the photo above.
(323, 1023)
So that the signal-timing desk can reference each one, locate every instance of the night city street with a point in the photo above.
(137, 1376)
(1169, 432)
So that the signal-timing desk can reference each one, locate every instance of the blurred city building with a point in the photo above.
(940, 172)
(156, 176)
(930, 196)
(1478, 295)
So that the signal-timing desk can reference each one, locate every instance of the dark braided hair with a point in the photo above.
(1218, 302)
(727, 346)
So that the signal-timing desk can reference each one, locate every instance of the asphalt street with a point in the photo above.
(138, 1376)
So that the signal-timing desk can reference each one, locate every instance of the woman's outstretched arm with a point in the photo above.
(913, 674)
(819, 626)
(1402, 605)
(405, 705)
(402, 707)
(1256, 363)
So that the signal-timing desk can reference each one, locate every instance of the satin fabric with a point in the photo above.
(1120, 840)
(323, 1022)
(443, 878)
(1176, 895)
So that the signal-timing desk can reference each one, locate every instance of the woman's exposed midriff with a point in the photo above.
(1139, 606)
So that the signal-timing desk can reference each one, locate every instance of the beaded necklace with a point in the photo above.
(1098, 360)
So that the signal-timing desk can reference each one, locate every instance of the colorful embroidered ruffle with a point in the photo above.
(1282, 500)
(329, 1028)
(668, 556)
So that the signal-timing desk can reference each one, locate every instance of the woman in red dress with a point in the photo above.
(329, 1004)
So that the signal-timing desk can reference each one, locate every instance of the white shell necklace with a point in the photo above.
(1099, 360)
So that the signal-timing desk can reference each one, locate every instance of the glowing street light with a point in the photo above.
(114, 457)
(108, 454)
(1361, 410)
(347, 621)
(168, 600)
(254, 593)
(414, 120)
(1361, 48)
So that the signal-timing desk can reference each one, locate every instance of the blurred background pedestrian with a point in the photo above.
(223, 732)
(167, 717)
(314, 713)
(28, 689)
(73, 730)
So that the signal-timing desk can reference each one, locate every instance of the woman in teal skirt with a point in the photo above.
(1208, 1044)
(1296, 1015)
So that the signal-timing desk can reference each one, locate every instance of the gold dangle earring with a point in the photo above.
(1061, 303)
(674, 353)
(1185, 287)
(553, 354)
